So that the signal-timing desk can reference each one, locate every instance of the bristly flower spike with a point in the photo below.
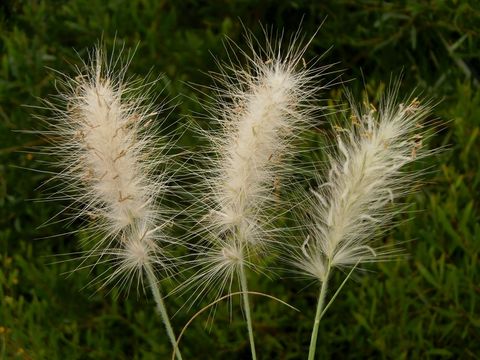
(365, 176)
(110, 170)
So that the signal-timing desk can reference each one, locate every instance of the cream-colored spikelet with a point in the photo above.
(261, 107)
(109, 160)
(365, 177)
(262, 123)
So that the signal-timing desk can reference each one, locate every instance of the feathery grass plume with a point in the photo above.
(111, 160)
(366, 174)
(261, 107)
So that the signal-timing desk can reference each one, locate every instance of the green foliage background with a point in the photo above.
(425, 307)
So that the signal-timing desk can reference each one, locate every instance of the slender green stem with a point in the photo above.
(318, 316)
(246, 304)
(334, 296)
(152, 280)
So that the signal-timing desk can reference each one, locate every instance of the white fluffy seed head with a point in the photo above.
(261, 110)
(365, 176)
(261, 107)
(258, 136)
(109, 160)
(109, 150)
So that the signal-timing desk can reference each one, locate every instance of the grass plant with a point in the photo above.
(424, 306)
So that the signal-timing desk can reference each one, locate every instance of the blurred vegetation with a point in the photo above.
(425, 307)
